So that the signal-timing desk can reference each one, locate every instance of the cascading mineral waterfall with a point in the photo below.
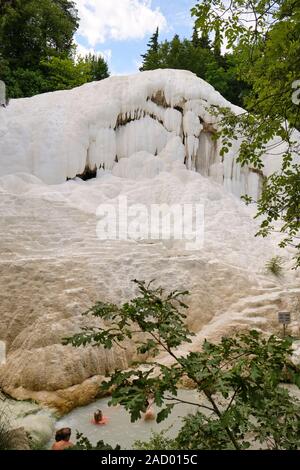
(163, 114)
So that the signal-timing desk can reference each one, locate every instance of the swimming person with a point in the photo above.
(149, 415)
(98, 416)
(62, 439)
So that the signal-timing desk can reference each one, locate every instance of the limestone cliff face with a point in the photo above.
(145, 136)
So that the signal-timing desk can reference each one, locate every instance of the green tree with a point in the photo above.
(217, 42)
(205, 41)
(37, 52)
(98, 67)
(200, 40)
(195, 37)
(197, 56)
(241, 399)
(150, 59)
(32, 30)
(64, 74)
(24, 83)
(267, 55)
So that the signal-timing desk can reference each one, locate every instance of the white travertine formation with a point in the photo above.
(142, 134)
(57, 136)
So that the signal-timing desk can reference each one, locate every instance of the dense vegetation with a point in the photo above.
(83, 443)
(241, 400)
(202, 57)
(37, 51)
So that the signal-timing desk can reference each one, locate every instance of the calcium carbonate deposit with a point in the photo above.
(148, 139)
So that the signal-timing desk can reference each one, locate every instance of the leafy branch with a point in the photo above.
(238, 380)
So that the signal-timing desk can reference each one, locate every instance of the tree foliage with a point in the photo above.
(241, 400)
(158, 441)
(64, 74)
(32, 30)
(98, 68)
(264, 36)
(83, 443)
(37, 51)
(201, 58)
(150, 59)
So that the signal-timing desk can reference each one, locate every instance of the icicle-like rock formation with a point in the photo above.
(59, 135)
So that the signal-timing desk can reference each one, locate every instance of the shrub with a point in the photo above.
(275, 266)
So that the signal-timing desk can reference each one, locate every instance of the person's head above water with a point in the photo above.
(150, 399)
(63, 434)
(98, 415)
